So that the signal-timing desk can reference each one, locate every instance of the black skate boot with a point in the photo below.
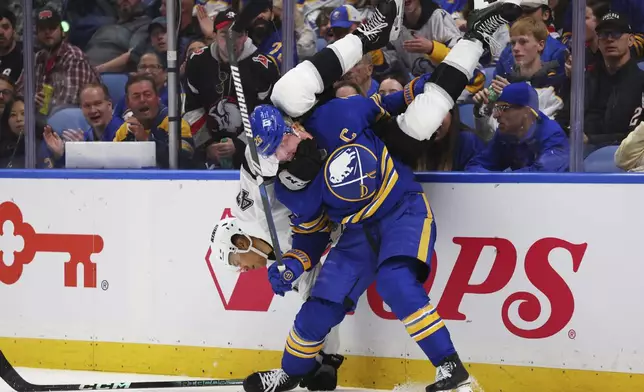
(383, 26)
(325, 375)
(275, 380)
(483, 23)
(451, 374)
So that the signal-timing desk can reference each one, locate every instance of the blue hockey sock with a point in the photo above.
(397, 285)
(312, 323)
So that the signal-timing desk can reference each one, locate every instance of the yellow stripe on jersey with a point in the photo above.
(302, 348)
(389, 178)
(300, 256)
(477, 84)
(377, 98)
(319, 224)
(423, 322)
(426, 234)
(638, 45)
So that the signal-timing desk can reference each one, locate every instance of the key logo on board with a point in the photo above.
(21, 243)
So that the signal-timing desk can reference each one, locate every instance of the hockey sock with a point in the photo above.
(397, 285)
(312, 324)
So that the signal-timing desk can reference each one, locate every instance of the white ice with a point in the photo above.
(47, 376)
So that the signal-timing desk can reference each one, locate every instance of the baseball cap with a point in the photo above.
(48, 17)
(6, 13)
(520, 94)
(345, 16)
(534, 4)
(614, 22)
(224, 19)
(158, 21)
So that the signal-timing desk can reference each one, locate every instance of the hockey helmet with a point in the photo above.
(222, 246)
(269, 127)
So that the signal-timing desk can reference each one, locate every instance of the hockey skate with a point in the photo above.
(383, 26)
(325, 375)
(275, 380)
(451, 374)
(483, 23)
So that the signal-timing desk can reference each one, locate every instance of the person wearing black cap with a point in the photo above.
(11, 60)
(61, 68)
(615, 88)
(211, 101)
(264, 28)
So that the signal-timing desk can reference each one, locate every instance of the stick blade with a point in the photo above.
(11, 376)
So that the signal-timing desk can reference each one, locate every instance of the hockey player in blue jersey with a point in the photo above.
(335, 170)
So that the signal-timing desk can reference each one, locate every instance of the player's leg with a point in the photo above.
(406, 248)
(335, 292)
(427, 111)
(296, 92)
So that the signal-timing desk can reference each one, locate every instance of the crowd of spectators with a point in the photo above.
(106, 61)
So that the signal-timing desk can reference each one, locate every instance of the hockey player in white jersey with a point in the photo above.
(243, 243)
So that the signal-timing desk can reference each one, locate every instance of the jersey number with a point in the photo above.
(635, 120)
(277, 46)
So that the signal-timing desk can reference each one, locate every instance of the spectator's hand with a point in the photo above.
(481, 98)
(568, 66)
(499, 83)
(73, 135)
(419, 45)
(206, 24)
(40, 99)
(216, 151)
(54, 143)
(137, 129)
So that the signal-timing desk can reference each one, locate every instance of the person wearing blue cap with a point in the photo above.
(526, 140)
(344, 20)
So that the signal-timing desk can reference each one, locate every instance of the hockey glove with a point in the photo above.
(282, 281)
(307, 162)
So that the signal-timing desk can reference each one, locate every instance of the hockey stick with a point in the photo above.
(15, 381)
(243, 109)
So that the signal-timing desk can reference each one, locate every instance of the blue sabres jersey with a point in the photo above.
(360, 181)
(272, 46)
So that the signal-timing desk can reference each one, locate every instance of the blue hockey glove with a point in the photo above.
(282, 278)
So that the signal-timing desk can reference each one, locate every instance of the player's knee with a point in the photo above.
(316, 318)
(394, 275)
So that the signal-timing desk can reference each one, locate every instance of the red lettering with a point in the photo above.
(377, 304)
(227, 213)
(459, 281)
(547, 280)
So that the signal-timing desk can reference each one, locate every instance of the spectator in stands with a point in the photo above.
(60, 65)
(595, 11)
(10, 49)
(97, 110)
(345, 88)
(553, 49)
(12, 141)
(211, 100)
(451, 147)
(109, 46)
(158, 31)
(7, 91)
(540, 10)
(149, 122)
(344, 20)
(361, 73)
(324, 32)
(391, 84)
(528, 37)
(427, 31)
(150, 64)
(192, 47)
(614, 88)
(264, 28)
(630, 154)
(304, 35)
(526, 139)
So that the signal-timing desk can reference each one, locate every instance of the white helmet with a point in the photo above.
(222, 246)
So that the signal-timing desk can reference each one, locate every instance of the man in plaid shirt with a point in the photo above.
(59, 64)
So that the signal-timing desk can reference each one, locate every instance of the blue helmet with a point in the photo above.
(269, 128)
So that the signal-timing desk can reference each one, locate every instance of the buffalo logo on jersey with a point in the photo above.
(351, 173)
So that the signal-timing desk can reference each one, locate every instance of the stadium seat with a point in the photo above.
(602, 161)
(489, 75)
(641, 65)
(466, 112)
(115, 83)
(67, 118)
